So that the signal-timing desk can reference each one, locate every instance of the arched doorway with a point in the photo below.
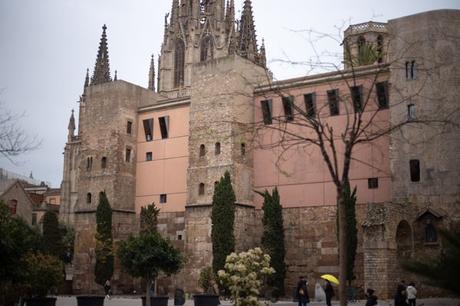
(404, 240)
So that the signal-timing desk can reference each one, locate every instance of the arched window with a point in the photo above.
(207, 49)
(179, 63)
(404, 240)
(380, 48)
(104, 162)
(88, 198)
(202, 150)
(431, 235)
(217, 148)
(361, 43)
(201, 189)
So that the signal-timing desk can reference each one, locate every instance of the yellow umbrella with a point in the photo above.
(330, 278)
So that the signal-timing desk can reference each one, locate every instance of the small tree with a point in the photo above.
(147, 255)
(52, 239)
(273, 238)
(244, 275)
(223, 218)
(149, 218)
(104, 241)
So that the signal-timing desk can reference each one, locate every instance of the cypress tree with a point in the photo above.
(223, 218)
(52, 240)
(273, 239)
(352, 232)
(104, 241)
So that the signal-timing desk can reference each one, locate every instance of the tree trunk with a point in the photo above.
(147, 294)
(342, 248)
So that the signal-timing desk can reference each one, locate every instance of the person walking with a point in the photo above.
(107, 287)
(329, 292)
(371, 298)
(411, 294)
(302, 292)
(401, 296)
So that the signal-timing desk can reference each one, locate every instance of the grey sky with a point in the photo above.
(46, 46)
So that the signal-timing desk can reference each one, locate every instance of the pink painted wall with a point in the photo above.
(166, 173)
(300, 173)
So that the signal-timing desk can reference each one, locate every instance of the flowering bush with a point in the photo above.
(244, 275)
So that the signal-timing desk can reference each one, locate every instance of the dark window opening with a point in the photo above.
(411, 112)
(357, 98)
(129, 127)
(361, 43)
(413, 70)
(34, 219)
(373, 183)
(333, 100)
(201, 189)
(148, 129)
(207, 49)
(89, 163)
(179, 237)
(202, 150)
(217, 148)
(243, 149)
(288, 106)
(164, 126)
(380, 49)
(104, 162)
(267, 111)
(414, 170)
(13, 204)
(163, 198)
(382, 94)
(179, 63)
(431, 234)
(148, 156)
(88, 198)
(128, 155)
(310, 108)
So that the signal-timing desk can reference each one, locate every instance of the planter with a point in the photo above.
(90, 300)
(157, 300)
(206, 299)
(46, 301)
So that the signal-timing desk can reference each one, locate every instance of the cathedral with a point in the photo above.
(211, 106)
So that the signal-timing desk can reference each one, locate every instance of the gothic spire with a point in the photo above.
(102, 69)
(115, 78)
(174, 12)
(71, 127)
(262, 55)
(247, 38)
(230, 16)
(86, 79)
(152, 75)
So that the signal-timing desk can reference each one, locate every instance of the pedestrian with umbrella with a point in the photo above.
(328, 289)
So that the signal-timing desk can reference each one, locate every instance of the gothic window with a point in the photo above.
(243, 149)
(361, 43)
(414, 165)
(128, 155)
(148, 156)
(164, 126)
(104, 162)
(431, 234)
(202, 150)
(179, 63)
(88, 198)
(267, 111)
(201, 189)
(129, 127)
(333, 101)
(89, 163)
(207, 49)
(310, 108)
(380, 49)
(382, 94)
(411, 112)
(404, 240)
(217, 148)
(356, 97)
(148, 129)
(163, 198)
(373, 183)
(288, 106)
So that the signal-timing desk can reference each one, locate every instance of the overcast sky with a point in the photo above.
(46, 46)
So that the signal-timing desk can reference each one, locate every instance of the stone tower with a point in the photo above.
(197, 31)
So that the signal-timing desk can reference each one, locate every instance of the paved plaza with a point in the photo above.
(136, 301)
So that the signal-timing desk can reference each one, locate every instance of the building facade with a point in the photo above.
(213, 108)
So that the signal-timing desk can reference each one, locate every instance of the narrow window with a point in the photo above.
(411, 112)
(217, 148)
(34, 219)
(414, 165)
(356, 97)
(310, 107)
(288, 106)
(407, 70)
(164, 126)
(163, 198)
(373, 183)
(89, 163)
(129, 127)
(382, 94)
(88, 198)
(431, 234)
(128, 155)
(267, 111)
(148, 156)
(13, 204)
(361, 43)
(333, 100)
(148, 129)
(179, 63)
(243, 149)
(202, 150)
(201, 189)
(207, 49)
(104, 162)
(413, 70)
(380, 49)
